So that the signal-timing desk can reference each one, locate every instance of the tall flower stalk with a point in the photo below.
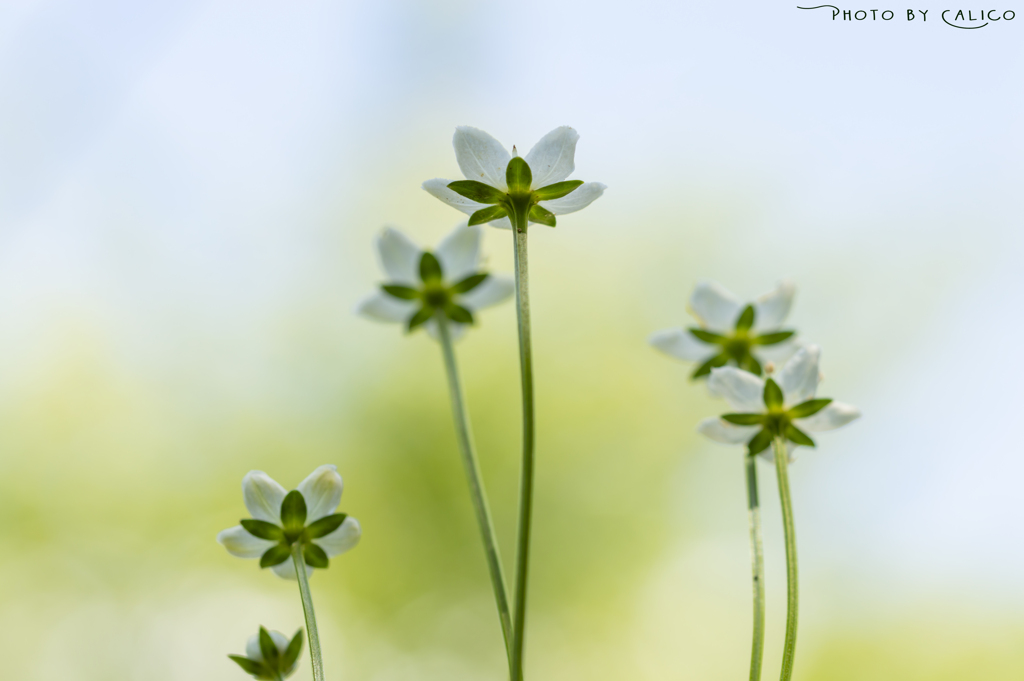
(757, 568)
(792, 591)
(772, 419)
(511, 192)
(529, 440)
(464, 435)
(442, 291)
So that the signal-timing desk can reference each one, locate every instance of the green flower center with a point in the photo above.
(436, 295)
(776, 421)
(738, 347)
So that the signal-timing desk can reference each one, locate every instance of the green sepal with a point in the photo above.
(712, 363)
(263, 529)
(556, 190)
(293, 510)
(477, 191)
(292, 652)
(487, 214)
(459, 314)
(760, 442)
(746, 319)
(798, 436)
(315, 556)
(707, 336)
(271, 655)
(324, 526)
(430, 267)
(809, 408)
(744, 419)
(275, 555)
(251, 666)
(518, 177)
(470, 282)
(421, 316)
(773, 338)
(772, 394)
(542, 216)
(400, 292)
(750, 363)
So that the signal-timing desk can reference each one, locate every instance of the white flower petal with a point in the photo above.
(239, 542)
(459, 253)
(778, 353)
(252, 646)
(799, 377)
(455, 330)
(481, 157)
(501, 223)
(681, 344)
(836, 414)
(729, 433)
(263, 496)
(552, 158)
(286, 570)
(769, 454)
(382, 307)
(322, 492)
(342, 539)
(399, 256)
(743, 390)
(715, 306)
(494, 289)
(580, 198)
(772, 308)
(438, 188)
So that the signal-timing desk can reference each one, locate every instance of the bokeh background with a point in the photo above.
(189, 194)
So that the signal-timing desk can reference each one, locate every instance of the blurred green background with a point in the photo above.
(188, 199)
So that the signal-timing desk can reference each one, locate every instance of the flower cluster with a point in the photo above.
(303, 517)
(735, 345)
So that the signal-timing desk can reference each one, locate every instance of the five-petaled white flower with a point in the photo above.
(499, 184)
(280, 519)
(766, 409)
(270, 655)
(423, 284)
(731, 333)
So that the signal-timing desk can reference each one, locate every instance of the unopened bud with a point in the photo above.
(270, 655)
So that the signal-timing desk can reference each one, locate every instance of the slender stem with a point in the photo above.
(782, 469)
(307, 610)
(757, 563)
(476, 484)
(526, 477)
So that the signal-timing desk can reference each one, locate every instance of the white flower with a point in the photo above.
(765, 409)
(541, 190)
(280, 519)
(270, 654)
(746, 336)
(423, 284)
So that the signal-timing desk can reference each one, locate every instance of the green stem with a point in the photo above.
(782, 469)
(526, 476)
(757, 563)
(476, 485)
(307, 610)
